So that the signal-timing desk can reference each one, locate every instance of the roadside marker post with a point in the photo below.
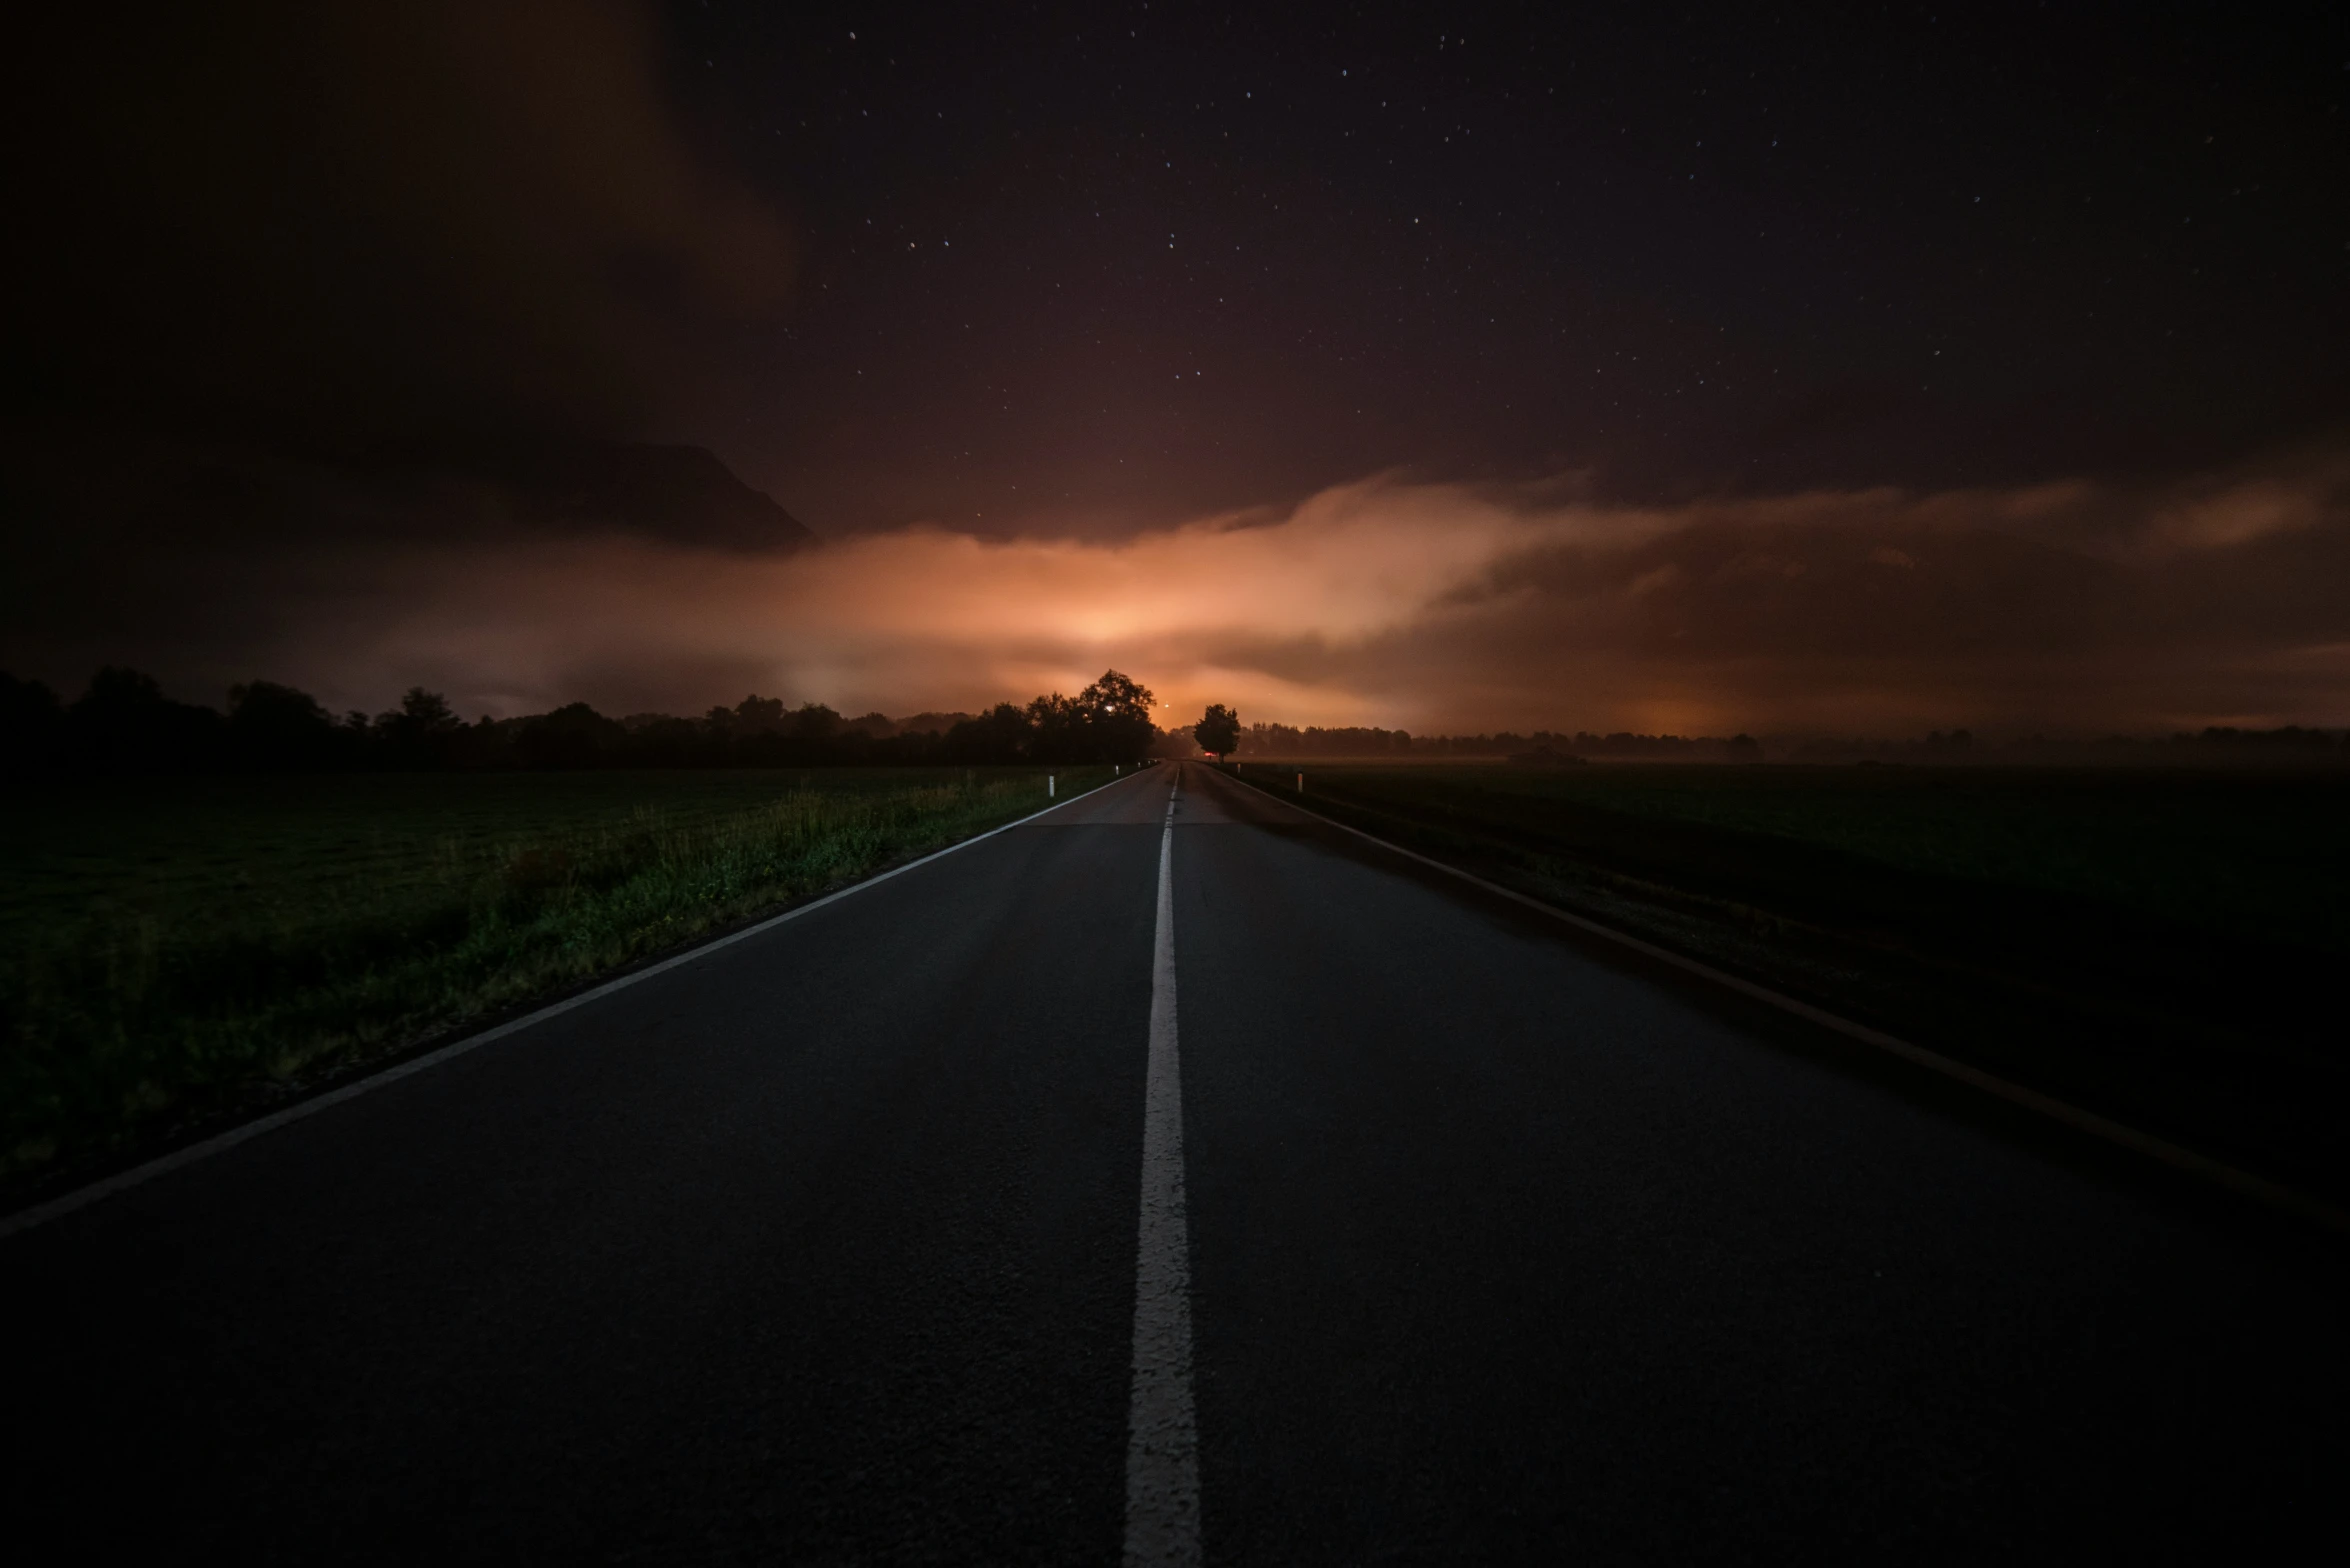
(1048, 786)
(1301, 783)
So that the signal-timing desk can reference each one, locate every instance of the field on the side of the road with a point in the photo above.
(182, 947)
(2162, 945)
(2262, 855)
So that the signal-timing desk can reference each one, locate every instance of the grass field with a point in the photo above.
(173, 949)
(2262, 856)
(2163, 946)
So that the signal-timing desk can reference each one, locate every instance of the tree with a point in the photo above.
(1109, 721)
(274, 726)
(32, 725)
(757, 715)
(573, 736)
(1056, 729)
(420, 732)
(124, 723)
(1219, 732)
(1002, 734)
(1115, 713)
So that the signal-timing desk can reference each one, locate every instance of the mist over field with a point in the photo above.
(2072, 607)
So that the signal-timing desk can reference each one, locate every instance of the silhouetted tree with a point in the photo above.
(1219, 732)
(573, 736)
(421, 732)
(125, 724)
(674, 743)
(1109, 721)
(1054, 728)
(930, 723)
(1115, 712)
(32, 726)
(1003, 734)
(756, 715)
(276, 727)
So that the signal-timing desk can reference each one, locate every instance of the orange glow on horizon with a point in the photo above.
(1425, 606)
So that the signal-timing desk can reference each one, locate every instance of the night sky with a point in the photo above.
(1189, 259)
(1834, 371)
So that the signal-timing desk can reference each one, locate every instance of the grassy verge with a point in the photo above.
(177, 950)
(2165, 948)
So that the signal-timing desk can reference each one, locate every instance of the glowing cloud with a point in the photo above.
(1442, 605)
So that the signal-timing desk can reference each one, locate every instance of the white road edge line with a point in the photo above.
(2241, 1182)
(163, 1165)
(1162, 1435)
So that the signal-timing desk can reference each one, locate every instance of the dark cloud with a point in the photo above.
(2075, 608)
(291, 280)
(364, 225)
(1886, 371)
(2205, 600)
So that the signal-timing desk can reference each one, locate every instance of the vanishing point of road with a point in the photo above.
(1185, 1185)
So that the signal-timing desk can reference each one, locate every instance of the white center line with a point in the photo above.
(1162, 1438)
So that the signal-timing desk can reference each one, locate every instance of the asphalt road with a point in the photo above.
(823, 1247)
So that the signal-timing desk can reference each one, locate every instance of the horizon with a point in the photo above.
(1407, 373)
(1955, 743)
(1180, 784)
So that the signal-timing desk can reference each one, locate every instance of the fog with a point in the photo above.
(2075, 607)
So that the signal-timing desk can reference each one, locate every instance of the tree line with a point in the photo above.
(123, 723)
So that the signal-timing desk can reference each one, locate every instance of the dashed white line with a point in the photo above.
(1162, 1441)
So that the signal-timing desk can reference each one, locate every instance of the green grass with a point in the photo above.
(174, 949)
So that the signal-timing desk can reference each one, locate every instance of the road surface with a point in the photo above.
(824, 1247)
